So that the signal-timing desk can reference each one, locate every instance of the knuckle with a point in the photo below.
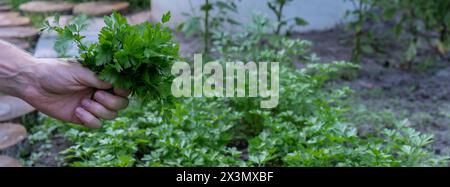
(98, 96)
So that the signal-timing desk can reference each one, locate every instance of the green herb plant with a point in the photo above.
(278, 8)
(419, 22)
(214, 17)
(412, 22)
(135, 57)
(363, 37)
(308, 128)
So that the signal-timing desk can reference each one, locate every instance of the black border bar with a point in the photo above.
(219, 175)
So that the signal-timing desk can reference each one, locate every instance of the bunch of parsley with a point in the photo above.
(135, 57)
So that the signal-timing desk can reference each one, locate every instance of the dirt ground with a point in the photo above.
(421, 94)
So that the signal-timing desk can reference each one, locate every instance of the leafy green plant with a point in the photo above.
(308, 128)
(277, 7)
(437, 17)
(414, 22)
(255, 44)
(209, 22)
(305, 130)
(433, 14)
(62, 45)
(146, 138)
(363, 38)
(408, 11)
(137, 57)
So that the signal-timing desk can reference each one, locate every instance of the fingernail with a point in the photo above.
(78, 112)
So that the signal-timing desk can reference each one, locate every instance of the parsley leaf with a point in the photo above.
(166, 17)
(135, 57)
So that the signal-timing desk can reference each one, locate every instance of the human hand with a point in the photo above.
(72, 93)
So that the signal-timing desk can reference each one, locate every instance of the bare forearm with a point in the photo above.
(16, 70)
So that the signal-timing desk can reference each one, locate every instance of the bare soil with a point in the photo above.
(420, 94)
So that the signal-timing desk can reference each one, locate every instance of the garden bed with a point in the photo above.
(396, 112)
(382, 94)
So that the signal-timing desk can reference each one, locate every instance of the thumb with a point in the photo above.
(89, 78)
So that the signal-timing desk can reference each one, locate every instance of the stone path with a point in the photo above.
(46, 7)
(6, 161)
(7, 14)
(15, 28)
(100, 8)
(12, 20)
(13, 107)
(11, 135)
(5, 7)
(139, 17)
(20, 32)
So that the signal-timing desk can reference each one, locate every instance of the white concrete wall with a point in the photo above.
(321, 14)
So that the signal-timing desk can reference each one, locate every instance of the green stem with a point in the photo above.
(358, 47)
(279, 15)
(206, 34)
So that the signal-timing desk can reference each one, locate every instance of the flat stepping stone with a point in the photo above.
(6, 161)
(139, 17)
(13, 107)
(46, 7)
(18, 32)
(100, 8)
(9, 14)
(14, 21)
(5, 8)
(11, 134)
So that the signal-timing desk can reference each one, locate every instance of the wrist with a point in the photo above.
(20, 77)
(27, 80)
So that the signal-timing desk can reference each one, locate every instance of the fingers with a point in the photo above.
(122, 92)
(103, 106)
(98, 110)
(87, 118)
(110, 101)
